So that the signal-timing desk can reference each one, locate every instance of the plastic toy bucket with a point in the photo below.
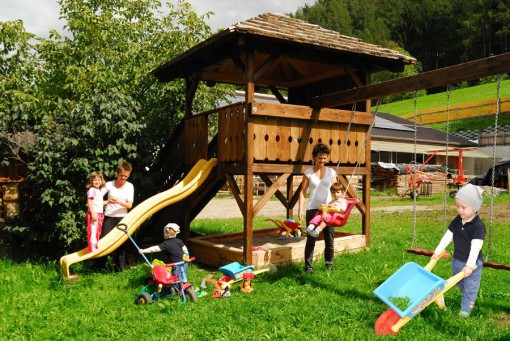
(412, 281)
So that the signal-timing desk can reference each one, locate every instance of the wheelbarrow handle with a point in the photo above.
(455, 279)
(430, 265)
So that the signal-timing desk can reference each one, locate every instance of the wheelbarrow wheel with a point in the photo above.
(144, 298)
(191, 295)
(385, 322)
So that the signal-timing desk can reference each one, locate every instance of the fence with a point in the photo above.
(460, 112)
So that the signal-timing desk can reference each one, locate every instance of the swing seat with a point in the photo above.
(496, 266)
(424, 252)
(340, 219)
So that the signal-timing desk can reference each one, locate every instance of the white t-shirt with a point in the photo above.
(319, 189)
(125, 193)
(97, 198)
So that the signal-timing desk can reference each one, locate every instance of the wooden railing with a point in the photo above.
(282, 133)
(459, 112)
(288, 133)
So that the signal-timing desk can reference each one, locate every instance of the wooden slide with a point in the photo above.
(141, 213)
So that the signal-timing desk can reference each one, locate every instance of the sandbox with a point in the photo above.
(269, 247)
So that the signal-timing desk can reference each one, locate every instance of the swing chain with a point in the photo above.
(414, 241)
(369, 131)
(448, 94)
(494, 145)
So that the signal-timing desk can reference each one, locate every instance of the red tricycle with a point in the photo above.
(163, 283)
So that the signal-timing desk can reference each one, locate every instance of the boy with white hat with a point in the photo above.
(174, 247)
(467, 231)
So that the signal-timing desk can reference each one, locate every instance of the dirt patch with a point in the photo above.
(503, 322)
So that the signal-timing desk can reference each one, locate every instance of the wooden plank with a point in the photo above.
(236, 192)
(239, 111)
(269, 193)
(335, 139)
(272, 132)
(222, 129)
(423, 252)
(454, 74)
(228, 129)
(324, 134)
(496, 266)
(259, 142)
(304, 144)
(303, 112)
(298, 169)
(295, 132)
(282, 140)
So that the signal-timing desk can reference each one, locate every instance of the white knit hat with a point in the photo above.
(471, 195)
(172, 226)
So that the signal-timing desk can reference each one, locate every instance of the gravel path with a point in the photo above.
(227, 208)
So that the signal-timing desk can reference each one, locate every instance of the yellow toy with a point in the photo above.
(287, 226)
(325, 208)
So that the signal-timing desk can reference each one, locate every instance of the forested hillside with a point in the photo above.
(438, 33)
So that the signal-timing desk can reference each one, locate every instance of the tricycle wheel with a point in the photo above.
(190, 294)
(144, 298)
(385, 322)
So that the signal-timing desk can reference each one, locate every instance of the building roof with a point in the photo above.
(403, 130)
(394, 134)
(296, 44)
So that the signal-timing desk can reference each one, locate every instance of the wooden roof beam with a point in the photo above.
(454, 74)
(267, 63)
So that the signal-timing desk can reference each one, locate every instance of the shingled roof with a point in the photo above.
(292, 40)
(282, 27)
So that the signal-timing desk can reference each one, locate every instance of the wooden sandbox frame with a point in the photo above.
(215, 251)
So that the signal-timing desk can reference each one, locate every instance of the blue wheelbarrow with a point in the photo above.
(407, 292)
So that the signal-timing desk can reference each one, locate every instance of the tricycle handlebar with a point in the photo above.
(181, 262)
(122, 227)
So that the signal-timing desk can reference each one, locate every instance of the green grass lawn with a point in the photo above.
(457, 96)
(37, 304)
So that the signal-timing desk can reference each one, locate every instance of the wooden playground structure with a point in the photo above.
(322, 81)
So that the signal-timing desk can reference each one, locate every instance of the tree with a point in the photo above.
(17, 93)
(95, 102)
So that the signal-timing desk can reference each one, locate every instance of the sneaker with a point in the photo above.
(312, 233)
(329, 267)
(464, 314)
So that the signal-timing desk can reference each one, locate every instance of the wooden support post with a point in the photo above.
(248, 181)
(290, 192)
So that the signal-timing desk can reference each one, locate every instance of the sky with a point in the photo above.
(40, 16)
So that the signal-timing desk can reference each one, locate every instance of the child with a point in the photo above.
(95, 192)
(335, 207)
(174, 248)
(468, 233)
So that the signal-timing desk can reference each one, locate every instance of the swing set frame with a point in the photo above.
(491, 66)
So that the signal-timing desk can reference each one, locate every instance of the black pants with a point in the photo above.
(119, 255)
(329, 247)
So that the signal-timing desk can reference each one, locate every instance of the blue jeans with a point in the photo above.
(470, 285)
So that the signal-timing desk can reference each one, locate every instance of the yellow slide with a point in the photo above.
(141, 213)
